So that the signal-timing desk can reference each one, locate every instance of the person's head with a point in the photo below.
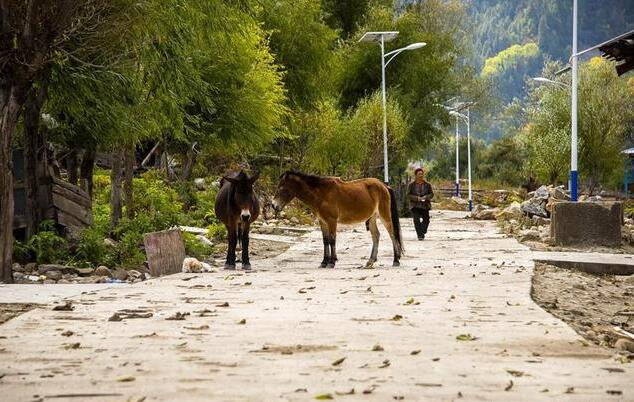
(419, 173)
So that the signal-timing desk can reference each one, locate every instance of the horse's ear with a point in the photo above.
(255, 176)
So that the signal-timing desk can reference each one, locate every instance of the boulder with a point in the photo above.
(560, 194)
(84, 271)
(17, 267)
(63, 282)
(108, 242)
(44, 268)
(294, 220)
(49, 282)
(199, 183)
(540, 221)
(54, 275)
(625, 344)
(204, 241)
(18, 276)
(529, 235)
(459, 201)
(102, 270)
(134, 274)
(542, 193)
(532, 208)
(482, 213)
(120, 274)
(513, 211)
(30, 267)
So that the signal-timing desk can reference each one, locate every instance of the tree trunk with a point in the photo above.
(128, 170)
(10, 105)
(34, 158)
(190, 161)
(86, 170)
(115, 194)
(71, 166)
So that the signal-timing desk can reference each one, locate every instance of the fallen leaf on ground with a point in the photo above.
(126, 379)
(570, 390)
(225, 304)
(377, 348)
(324, 397)
(67, 333)
(516, 373)
(338, 361)
(72, 345)
(397, 317)
(509, 386)
(197, 328)
(414, 352)
(67, 306)
(242, 321)
(351, 392)
(386, 363)
(466, 337)
(178, 316)
(614, 392)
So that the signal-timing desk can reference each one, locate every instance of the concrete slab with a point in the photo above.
(276, 333)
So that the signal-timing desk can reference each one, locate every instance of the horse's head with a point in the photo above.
(243, 195)
(286, 191)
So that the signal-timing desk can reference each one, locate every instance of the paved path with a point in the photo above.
(298, 321)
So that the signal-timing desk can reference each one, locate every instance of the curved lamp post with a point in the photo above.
(382, 37)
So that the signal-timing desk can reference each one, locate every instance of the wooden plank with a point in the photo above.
(69, 207)
(72, 196)
(70, 221)
(70, 187)
(165, 252)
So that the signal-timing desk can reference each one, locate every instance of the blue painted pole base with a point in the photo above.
(470, 205)
(457, 189)
(573, 185)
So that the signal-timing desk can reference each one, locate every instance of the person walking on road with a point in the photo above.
(420, 194)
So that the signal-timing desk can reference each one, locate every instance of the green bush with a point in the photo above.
(47, 245)
(91, 249)
(217, 231)
(194, 248)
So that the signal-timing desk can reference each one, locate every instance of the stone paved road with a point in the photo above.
(277, 334)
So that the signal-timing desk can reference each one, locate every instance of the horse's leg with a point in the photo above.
(246, 264)
(231, 250)
(386, 218)
(325, 237)
(374, 231)
(332, 240)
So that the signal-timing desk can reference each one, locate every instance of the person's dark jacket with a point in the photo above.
(415, 190)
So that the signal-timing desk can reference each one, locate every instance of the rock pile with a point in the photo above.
(63, 274)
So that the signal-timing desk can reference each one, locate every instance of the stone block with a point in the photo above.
(589, 224)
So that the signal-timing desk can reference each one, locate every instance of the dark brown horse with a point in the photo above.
(334, 201)
(237, 207)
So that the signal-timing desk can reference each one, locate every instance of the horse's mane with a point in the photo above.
(312, 180)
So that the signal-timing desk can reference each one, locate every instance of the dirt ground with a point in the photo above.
(591, 304)
(10, 310)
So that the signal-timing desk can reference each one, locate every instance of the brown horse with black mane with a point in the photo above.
(334, 201)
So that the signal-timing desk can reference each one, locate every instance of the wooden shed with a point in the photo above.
(65, 203)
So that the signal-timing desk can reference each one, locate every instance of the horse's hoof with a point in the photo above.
(396, 264)
(330, 265)
(370, 264)
(246, 267)
(322, 265)
(230, 267)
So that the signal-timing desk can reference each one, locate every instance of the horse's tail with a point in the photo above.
(367, 225)
(395, 222)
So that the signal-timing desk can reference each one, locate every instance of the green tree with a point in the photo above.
(606, 118)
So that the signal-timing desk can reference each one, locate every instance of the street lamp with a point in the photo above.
(467, 119)
(382, 37)
(547, 81)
